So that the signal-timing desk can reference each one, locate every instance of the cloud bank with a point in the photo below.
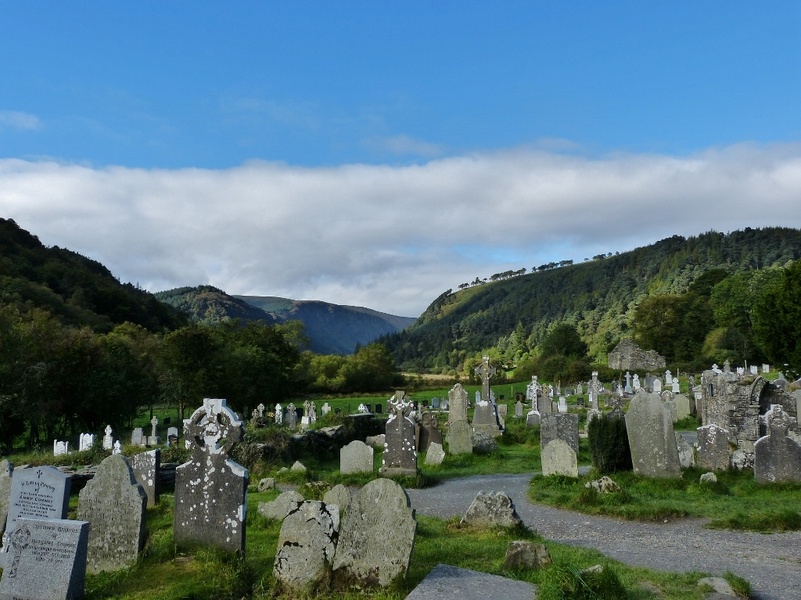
(391, 238)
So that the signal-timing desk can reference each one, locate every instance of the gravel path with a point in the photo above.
(770, 562)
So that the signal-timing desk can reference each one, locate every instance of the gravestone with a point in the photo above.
(6, 473)
(154, 438)
(210, 489)
(686, 452)
(136, 437)
(503, 411)
(457, 404)
(533, 418)
(86, 441)
(36, 493)
(279, 414)
(60, 448)
(429, 432)
(777, 457)
(340, 496)
(518, 409)
(713, 448)
(117, 449)
(356, 457)
(651, 437)
(560, 427)
(279, 508)
(562, 406)
(108, 441)
(306, 546)
(435, 454)
(682, 404)
(460, 438)
(291, 416)
(46, 560)
(494, 509)
(172, 435)
(146, 468)
(114, 504)
(376, 536)
(485, 416)
(326, 408)
(558, 458)
(435, 403)
(400, 443)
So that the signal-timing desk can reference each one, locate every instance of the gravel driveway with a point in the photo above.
(770, 562)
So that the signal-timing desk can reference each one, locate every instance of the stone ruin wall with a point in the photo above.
(736, 405)
(628, 356)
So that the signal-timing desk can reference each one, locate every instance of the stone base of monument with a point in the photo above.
(397, 472)
(445, 581)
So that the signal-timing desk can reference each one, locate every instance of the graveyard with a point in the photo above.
(391, 496)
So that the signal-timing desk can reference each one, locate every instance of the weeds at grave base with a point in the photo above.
(740, 586)
(563, 582)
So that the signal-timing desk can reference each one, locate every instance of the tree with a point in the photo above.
(563, 339)
(777, 319)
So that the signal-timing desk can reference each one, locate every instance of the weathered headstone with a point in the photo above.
(400, 443)
(136, 437)
(429, 431)
(279, 414)
(114, 503)
(460, 438)
(777, 457)
(562, 406)
(686, 452)
(306, 546)
(519, 409)
(435, 454)
(533, 418)
(485, 416)
(651, 437)
(325, 409)
(356, 457)
(494, 509)
(210, 489)
(376, 536)
(60, 448)
(457, 404)
(146, 468)
(36, 493)
(279, 508)
(108, 440)
(46, 560)
(559, 458)
(563, 427)
(291, 416)
(713, 448)
(340, 496)
(682, 404)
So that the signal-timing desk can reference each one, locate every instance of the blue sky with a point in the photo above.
(379, 153)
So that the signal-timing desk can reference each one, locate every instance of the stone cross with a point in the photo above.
(485, 371)
(154, 422)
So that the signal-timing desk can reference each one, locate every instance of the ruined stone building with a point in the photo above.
(628, 356)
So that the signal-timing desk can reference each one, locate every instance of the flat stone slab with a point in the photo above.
(445, 581)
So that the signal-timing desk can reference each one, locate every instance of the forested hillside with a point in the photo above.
(600, 298)
(209, 305)
(73, 288)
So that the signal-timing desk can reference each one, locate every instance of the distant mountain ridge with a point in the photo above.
(330, 328)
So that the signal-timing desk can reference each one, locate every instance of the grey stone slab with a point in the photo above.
(556, 426)
(558, 458)
(651, 437)
(146, 468)
(400, 442)
(460, 438)
(114, 503)
(356, 457)
(457, 403)
(279, 508)
(494, 509)
(46, 560)
(445, 582)
(435, 454)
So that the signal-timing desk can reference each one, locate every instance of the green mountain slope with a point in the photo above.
(598, 297)
(207, 304)
(331, 328)
(75, 289)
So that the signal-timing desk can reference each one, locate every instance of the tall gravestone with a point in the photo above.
(457, 403)
(6, 473)
(556, 426)
(400, 442)
(46, 560)
(559, 458)
(356, 457)
(485, 416)
(146, 468)
(651, 437)
(114, 503)
(777, 457)
(713, 448)
(36, 493)
(376, 537)
(460, 438)
(210, 489)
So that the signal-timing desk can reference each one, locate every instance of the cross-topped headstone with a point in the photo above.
(210, 489)
(485, 371)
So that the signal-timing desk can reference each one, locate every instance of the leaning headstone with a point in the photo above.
(460, 438)
(563, 427)
(400, 442)
(494, 509)
(777, 457)
(146, 468)
(6, 473)
(356, 457)
(651, 437)
(558, 458)
(435, 454)
(46, 560)
(210, 489)
(376, 537)
(279, 508)
(713, 448)
(306, 546)
(457, 404)
(115, 505)
(36, 493)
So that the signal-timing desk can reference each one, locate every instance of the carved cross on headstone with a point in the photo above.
(399, 404)
(213, 428)
(485, 371)
(154, 422)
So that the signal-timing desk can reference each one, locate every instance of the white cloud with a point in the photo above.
(404, 145)
(12, 119)
(391, 238)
